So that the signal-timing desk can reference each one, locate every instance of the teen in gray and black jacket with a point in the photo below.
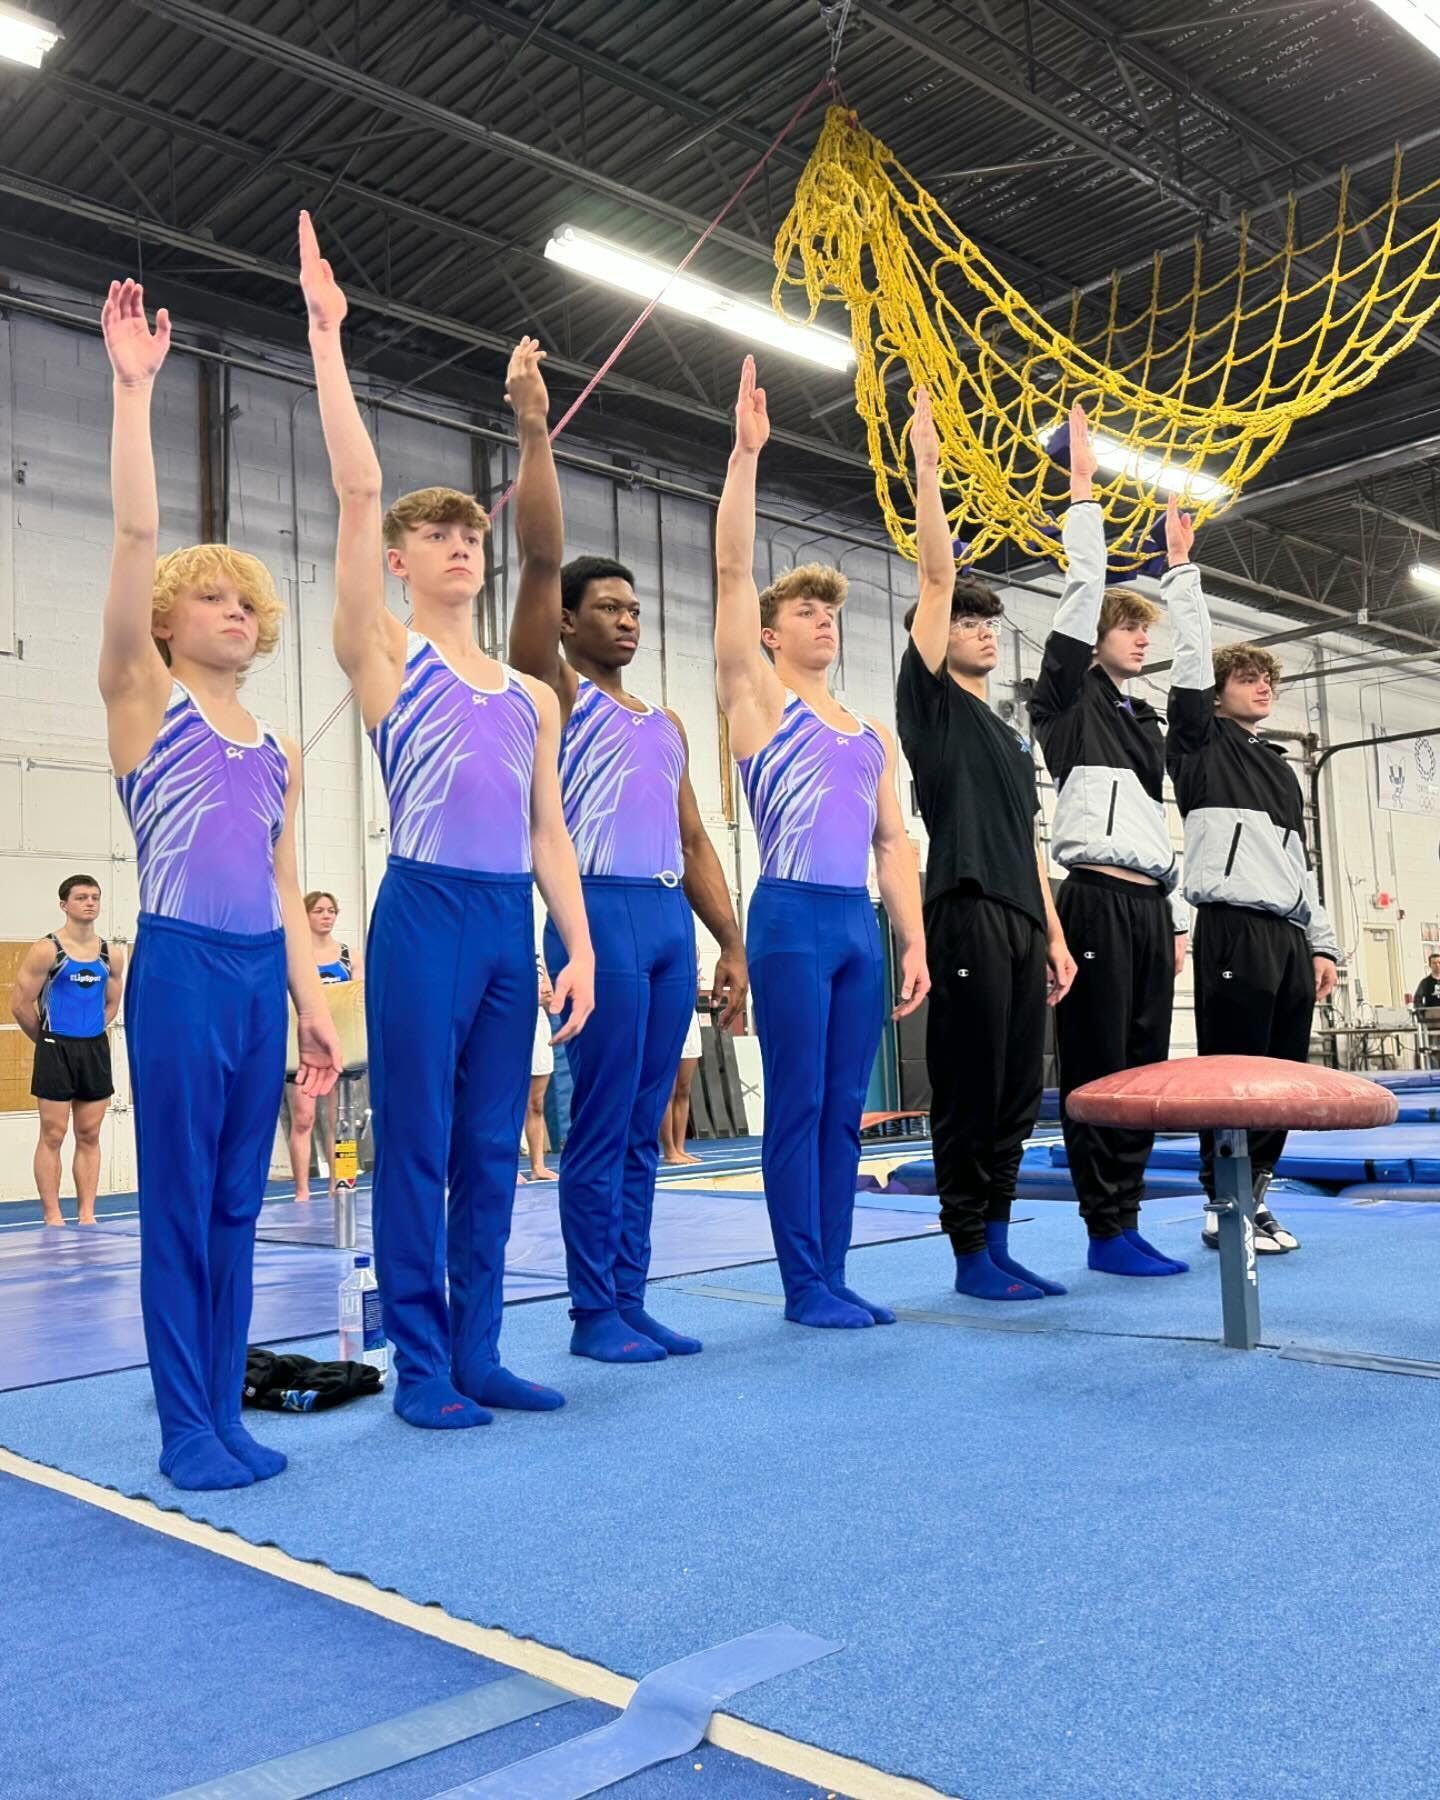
(1265, 953)
(1124, 919)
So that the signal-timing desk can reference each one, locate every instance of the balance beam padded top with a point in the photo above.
(1241, 1092)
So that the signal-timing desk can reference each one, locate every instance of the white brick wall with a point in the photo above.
(57, 807)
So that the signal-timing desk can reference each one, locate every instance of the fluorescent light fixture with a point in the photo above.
(1421, 18)
(24, 38)
(1426, 574)
(1141, 465)
(617, 267)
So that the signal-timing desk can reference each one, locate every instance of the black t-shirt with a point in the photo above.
(975, 780)
(1428, 992)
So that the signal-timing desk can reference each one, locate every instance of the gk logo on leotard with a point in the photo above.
(479, 699)
(234, 753)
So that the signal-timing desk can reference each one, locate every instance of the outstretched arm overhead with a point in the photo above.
(1191, 707)
(930, 632)
(540, 528)
(897, 874)
(1069, 646)
(750, 691)
(134, 681)
(369, 639)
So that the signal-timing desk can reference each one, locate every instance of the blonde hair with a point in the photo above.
(197, 563)
(432, 506)
(1244, 659)
(1123, 606)
(811, 581)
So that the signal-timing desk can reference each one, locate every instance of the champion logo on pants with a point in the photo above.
(1227, 974)
(962, 972)
(1089, 955)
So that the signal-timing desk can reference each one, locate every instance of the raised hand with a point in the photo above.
(752, 421)
(135, 351)
(1082, 454)
(1179, 533)
(524, 384)
(924, 439)
(324, 297)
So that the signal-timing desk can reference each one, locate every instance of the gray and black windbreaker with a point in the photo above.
(1105, 750)
(1242, 805)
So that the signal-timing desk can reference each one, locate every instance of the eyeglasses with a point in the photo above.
(969, 626)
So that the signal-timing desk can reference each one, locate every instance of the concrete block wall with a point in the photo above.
(58, 812)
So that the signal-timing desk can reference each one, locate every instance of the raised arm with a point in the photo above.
(540, 529)
(1191, 707)
(897, 874)
(709, 896)
(557, 874)
(321, 1059)
(930, 632)
(369, 639)
(1071, 643)
(134, 681)
(749, 689)
(38, 961)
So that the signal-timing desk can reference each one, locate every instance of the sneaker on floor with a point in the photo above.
(1266, 1221)
(1266, 1243)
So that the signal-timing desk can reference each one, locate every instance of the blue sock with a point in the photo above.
(261, 1461)
(671, 1342)
(1118, 1256)
(821, 1308)
(606, 1337)
(882, 1315)
(997, 1243)
(1132, 1236)
(203, 1462)
(435, 1405)
(501, 1388)
(981, 1277)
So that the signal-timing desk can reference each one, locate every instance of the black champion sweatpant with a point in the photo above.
(985, 1050)
(1116, 1016)
(1254, 996)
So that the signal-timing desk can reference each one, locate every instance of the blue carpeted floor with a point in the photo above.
(150, 1665)
(1075, 1564)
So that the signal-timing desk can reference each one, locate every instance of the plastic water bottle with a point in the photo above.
(362, 1335)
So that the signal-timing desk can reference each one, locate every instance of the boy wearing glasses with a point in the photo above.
(996, 947)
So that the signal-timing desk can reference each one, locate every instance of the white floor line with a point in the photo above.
(587, 1680)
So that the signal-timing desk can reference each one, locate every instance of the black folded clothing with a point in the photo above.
(300, 1384)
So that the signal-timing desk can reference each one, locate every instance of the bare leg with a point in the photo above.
(677, 1116)
(332, 1112)
(54, 1123)
(89, 1116)
(535, 1128)
(302, 1127)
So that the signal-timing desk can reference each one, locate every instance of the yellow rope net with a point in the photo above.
(1194, 378)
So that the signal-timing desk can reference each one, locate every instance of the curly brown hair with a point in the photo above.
(1244, 659)
(811, 581)
(432, 506)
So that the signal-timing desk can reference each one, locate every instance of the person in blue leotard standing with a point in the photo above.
(468, 749)
(335, 963)
(646, 861)
(66, 993)
(211, 797)
(821, 788)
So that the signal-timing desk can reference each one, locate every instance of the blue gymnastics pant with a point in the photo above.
(623, 1066)
(205, 1027)
(450, 1019)
(817, 974)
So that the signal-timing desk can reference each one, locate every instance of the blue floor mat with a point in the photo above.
(70, 1300)
(1019, 1537)
(109, 1609)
